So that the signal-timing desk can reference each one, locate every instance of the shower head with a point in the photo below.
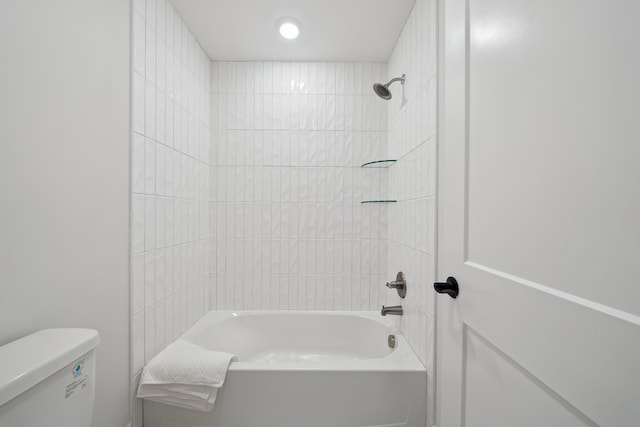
(382, 90)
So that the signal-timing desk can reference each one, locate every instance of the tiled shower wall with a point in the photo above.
(289, 228)
(170, 182)
(412, 180)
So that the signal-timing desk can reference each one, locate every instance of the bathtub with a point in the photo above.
(305, 369)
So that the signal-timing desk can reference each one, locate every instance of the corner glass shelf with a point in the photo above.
(378, 164)
(378, 201)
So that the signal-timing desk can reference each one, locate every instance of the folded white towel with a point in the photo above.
(186, 375)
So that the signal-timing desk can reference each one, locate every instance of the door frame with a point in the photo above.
(453, 115)
(451, 52)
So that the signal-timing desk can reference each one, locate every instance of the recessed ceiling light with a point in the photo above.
(289, 28)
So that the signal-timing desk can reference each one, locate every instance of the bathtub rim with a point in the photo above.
(402, 359)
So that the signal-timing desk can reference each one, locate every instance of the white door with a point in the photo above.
(539, 217)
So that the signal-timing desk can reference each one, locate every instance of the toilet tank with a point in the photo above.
(48, 379)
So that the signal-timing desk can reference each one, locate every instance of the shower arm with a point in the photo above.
(397, 79)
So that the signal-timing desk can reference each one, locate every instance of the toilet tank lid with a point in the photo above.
(29, 360)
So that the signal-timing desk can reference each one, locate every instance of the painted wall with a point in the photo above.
(412, 180)
(64, 179)
(170, 183)
(289, 227)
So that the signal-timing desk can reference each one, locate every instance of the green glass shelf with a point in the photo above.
(378, 164)
(378, 201)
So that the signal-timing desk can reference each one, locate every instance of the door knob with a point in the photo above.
(450, 287)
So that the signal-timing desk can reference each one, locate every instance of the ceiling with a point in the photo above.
(332, 30)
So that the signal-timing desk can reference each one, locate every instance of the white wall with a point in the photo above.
(64, 179)
(289, 227)
(170, 182)
(412, 180)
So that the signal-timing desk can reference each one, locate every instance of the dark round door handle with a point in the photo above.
(450, 287)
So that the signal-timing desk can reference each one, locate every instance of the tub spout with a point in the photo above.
(392, 309)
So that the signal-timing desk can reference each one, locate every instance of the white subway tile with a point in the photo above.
(137, 283)
(277, 83)
(137, 224)
(169, 336)
(286, 83)
(149, 279)
(321, 78)
(149, 223)
(330, 78)
(169, 26)
(149, 334)
(150, 53)
(150, 110)
(138, 342)
(291, 77)
(169, 122)
(139, 31)
(149, 166)
(160, 326)
(160, 117)
(138, 103)
(151, 12)
(137, 163)
(268, 77)
(160, 222)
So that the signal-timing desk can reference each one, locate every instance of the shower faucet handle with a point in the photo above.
(400, 285)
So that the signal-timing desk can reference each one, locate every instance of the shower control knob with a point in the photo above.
(400, 285)
(450, 287)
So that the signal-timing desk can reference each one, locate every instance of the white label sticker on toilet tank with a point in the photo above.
(77, 384)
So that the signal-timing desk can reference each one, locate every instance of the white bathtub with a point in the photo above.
(305, 369)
